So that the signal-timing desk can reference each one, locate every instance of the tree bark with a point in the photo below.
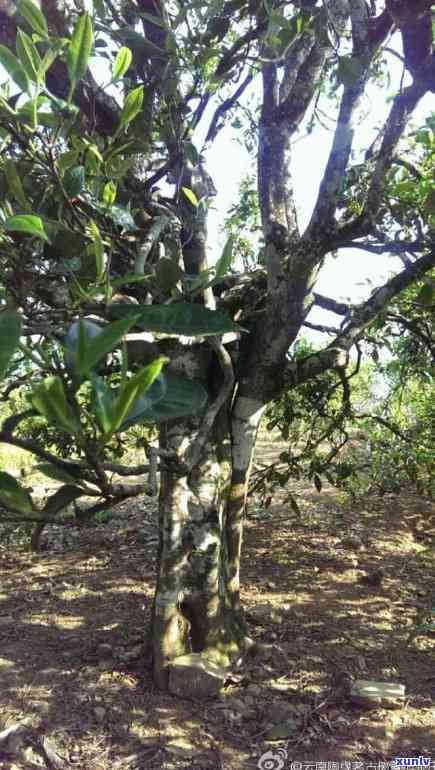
(197, 604)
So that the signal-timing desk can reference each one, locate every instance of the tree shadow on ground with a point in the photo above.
(72, 657)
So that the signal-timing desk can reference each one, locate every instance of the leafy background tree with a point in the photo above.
(86, 233)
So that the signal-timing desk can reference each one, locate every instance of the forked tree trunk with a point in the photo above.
(197, 601)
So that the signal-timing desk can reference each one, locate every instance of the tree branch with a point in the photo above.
(336, 354)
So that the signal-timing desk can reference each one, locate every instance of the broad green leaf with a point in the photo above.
(50, 401)
(28, 56)
(109, 193)
(183, 398)
(133, 388)
(54, 472)
(66, 160)
(50, 56)
(29, 224)
(14, 183)
(103, 403)
(85, 328)
(74, 181)
(183, 318)
(95, 349)
(34, 16)
(10, 330)
(132, 106)
(13, 495)
(122, 62)
(225, 260)
(80, 49)
(120, 215)
(168, 273)
(190, 195)
(142, 406)
(14, 68)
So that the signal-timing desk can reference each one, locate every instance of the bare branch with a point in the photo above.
(223, 108)
(327, 303)
(361, 316)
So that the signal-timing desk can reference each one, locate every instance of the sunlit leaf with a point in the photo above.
(49, 399)
(29, 224)
(80, 49)
(132, 105)
(28, 55)
(13, 495)
(190, 195)
(133, 388)
(102, 344)
(34, 16)
(14, 68)
(122, 63)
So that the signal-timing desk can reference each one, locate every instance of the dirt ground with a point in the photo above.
(348, 587)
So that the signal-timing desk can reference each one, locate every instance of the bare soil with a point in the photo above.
(348, 589)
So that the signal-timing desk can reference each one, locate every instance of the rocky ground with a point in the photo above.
(337, 594)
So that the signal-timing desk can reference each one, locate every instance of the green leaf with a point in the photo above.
(142, 406)
(66, 160)
(132, 106)
(54, 472)
(103, 402)
(13, 495)
(122, 63)
(74, 181)
(103, 343)
(317, 482)
(49, 57)
(133, 388)
(225, 260)
(109, 193)
(29, 224)
(191, 197)
(10, 330)
(127, 279)
(183, 398)
(28, 55)
(168, 273)
(14, 68)
(34, 16)
(98, 248)
(49, 400)
(183, 318)
(14, 183)
(80, 49)
(88, 330)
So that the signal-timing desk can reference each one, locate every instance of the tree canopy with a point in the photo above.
(104, 262)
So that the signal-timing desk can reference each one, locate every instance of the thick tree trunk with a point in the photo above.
(197, 602)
